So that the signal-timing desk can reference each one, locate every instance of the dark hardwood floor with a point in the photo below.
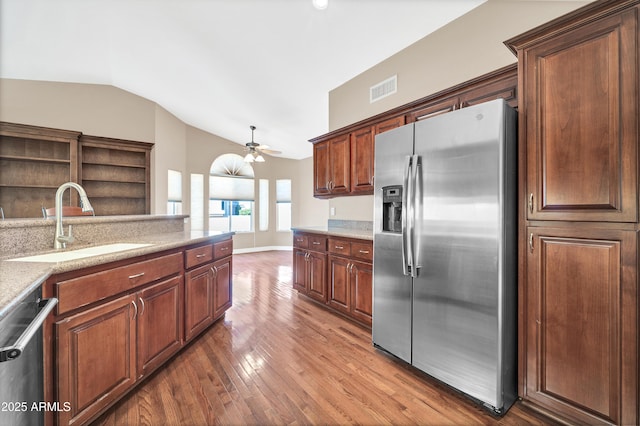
(277, 358)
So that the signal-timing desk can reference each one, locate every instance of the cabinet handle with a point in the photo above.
(135, 313)
(214, 271)
(339, 247)
(142, 305)
(315, 243)
(201, 255)
(364, 251)
(531, 202)
(224, 249)
(531, 242)
(132, 277)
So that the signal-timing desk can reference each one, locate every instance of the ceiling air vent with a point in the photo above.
(383, 89)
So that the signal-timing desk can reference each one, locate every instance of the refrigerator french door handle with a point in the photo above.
(406, 250)
(416, 212)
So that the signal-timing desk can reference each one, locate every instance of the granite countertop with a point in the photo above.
(18, 279)
(362, 234)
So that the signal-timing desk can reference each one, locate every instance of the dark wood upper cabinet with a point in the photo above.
(331, 166)
(501, 83)
(362, 156)
(581, 133)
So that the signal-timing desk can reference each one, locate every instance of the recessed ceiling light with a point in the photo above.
(320, 4)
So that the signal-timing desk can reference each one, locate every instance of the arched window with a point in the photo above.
(231, 194)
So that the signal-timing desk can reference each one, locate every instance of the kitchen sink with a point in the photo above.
(63, 256)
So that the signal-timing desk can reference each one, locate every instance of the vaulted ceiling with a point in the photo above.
(218, 65)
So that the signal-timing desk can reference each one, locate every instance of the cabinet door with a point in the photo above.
(361, 284)
(362, 155)
(300, 281)
(433, 109)
(339, 275)
(317, 266)
(580, 321)
(160, 323)
(389, 124)
(580, 103)
(222, 286)
(504, 88)
(96, 358)
(340, 165)
(321, 169)
(198, 297)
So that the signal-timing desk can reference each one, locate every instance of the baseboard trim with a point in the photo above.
(265, 248)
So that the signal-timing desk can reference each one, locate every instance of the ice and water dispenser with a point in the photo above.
(392, 208)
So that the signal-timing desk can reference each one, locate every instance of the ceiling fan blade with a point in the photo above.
(270, 151)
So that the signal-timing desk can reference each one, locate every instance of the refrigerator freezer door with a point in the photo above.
(391, 328)
(457, 306)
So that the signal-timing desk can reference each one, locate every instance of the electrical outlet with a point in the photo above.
(332, 211)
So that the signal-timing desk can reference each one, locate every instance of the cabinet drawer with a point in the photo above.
(222, 249)
(198, 255)
(362, 251)
(317, 243)
(339, 247)
(300, 241)
(91, 288)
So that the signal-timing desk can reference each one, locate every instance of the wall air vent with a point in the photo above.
(383, 89)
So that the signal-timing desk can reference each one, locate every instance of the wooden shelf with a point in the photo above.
(133, 166)
(34, 159)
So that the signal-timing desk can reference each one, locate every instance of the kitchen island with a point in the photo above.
(127, 303)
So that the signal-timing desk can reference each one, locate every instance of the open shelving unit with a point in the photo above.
(116, 174)
(35, 161)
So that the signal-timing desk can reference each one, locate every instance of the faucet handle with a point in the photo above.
(69, 238)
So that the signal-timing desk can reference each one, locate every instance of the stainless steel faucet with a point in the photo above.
(61, 240)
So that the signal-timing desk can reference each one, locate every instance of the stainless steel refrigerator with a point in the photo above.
(445, 259)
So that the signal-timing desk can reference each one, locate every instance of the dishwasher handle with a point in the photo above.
(8, 353)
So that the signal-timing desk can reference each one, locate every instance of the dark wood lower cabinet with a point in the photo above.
(350, 288)
(580, 324)
(338, 272)
(222, 286)
(309, 275)
(96, 353)
(160, 324)
(100, 350)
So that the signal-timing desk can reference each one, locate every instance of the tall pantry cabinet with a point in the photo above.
(578, 284)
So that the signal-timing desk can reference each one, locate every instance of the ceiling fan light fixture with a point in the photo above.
(320, 4)
(259, 159)
(249, 158)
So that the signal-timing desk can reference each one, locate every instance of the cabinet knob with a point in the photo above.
(531, 202)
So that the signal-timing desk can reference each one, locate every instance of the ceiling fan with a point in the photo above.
(255, 150)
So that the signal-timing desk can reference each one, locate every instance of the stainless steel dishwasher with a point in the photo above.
(21, 362)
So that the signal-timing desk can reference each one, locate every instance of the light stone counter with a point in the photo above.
(341, 228)
(361, 234)
(18, 279)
